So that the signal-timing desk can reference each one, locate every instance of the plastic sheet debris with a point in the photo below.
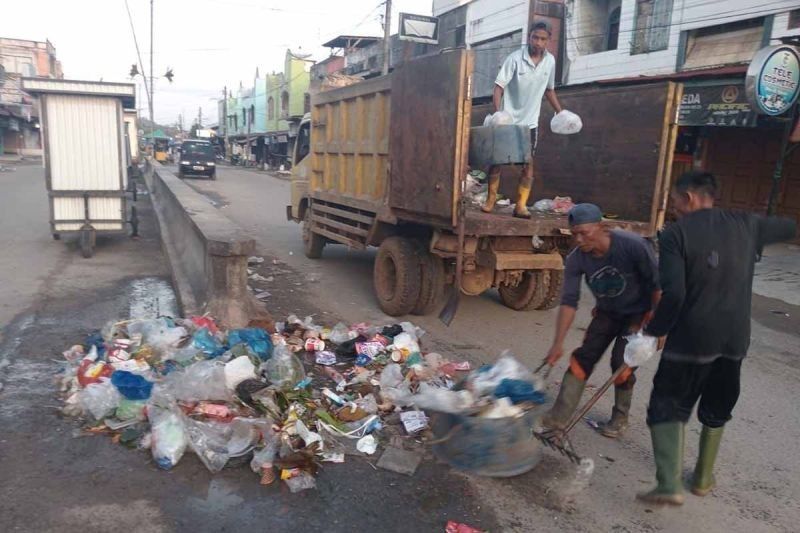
(100, 399)
(367, 444)
(256, 340)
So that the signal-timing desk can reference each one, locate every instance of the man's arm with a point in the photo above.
(552, 99)
(775, 229)
(566, 315)
(672, 270)
(570, 294)
(497, 97)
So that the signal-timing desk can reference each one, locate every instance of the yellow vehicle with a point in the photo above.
(161, 149)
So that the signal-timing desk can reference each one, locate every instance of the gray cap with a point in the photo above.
(584, 214)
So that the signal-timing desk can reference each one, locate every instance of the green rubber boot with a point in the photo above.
(615, 427)
(568, 397)
(703, 480)
(668, 455)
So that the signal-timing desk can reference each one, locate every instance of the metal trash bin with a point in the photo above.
(492, 447)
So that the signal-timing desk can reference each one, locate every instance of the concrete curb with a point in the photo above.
(207, 253)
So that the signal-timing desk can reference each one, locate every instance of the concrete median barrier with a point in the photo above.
(207, 252)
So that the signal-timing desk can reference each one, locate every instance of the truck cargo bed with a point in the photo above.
(501, 223)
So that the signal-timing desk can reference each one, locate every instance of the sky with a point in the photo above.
(208, 43)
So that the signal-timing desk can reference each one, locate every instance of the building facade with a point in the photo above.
(19, 121)
(260, 120)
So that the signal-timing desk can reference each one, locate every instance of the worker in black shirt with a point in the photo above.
(706, 268)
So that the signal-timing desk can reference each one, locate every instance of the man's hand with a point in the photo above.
(555, 353)
(661, 342)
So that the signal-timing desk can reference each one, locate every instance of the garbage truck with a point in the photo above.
(383, 163)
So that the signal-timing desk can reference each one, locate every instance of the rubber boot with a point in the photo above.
(491, 197)
(668, 454)
(568, 397)
(521, 209)
(615, 427)
(703, 480)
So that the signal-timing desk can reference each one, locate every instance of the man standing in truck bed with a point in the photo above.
(526, 76)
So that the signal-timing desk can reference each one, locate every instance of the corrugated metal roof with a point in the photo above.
(99, 88)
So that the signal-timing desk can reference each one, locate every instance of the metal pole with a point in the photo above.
(387, 22)
(777, 175)
(152, 119)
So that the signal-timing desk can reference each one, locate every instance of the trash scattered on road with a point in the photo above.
(282, 401)
(255, 260)
(456, 527)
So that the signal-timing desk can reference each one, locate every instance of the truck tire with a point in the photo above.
(529, 294)
(554, 283)
(397, 276)
(432, 282)
(313, 243)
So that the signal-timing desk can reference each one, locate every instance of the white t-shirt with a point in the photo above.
(524, 85)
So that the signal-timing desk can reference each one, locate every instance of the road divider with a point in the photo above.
(207, 253)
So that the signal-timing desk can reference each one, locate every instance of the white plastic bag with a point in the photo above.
(169, 436)
(501, 118)
(443, 400)
(238, 370)
(566, 123)
(544, 205)
(99, 399)
(484, 380)
(640, 349)
(394, 387)
(204, 380)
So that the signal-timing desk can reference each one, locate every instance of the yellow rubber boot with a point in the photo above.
(491, 198)
(521, 210)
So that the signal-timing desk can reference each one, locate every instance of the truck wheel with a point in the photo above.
(432, 282)
(397, 276)
(313, 243)
(87, 242)
(529, 294)
(554, 283)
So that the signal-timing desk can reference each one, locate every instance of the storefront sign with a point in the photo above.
(716, 105)
(773, 79)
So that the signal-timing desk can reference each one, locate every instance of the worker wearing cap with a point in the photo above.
(706, 264)
(526, 76)
(621, 271)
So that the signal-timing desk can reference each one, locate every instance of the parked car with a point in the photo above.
(198, 159)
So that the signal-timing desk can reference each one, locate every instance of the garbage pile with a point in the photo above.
(284, 401)
(559, 205)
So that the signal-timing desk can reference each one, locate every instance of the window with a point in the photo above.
(252, 114)
(244, 117)
(651, 26)
(271, 108)
(306, 103)
(284, 104)
(460, 37)
(794, 19)
(725, 44)
(303, 142)
(612, 37)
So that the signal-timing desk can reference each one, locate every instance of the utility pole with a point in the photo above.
(387, 22)
(152, 119)
(225, 117)
(200, 117)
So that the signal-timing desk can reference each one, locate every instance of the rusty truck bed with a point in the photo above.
(503, 224)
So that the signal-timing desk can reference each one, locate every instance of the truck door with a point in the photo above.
(429, 139)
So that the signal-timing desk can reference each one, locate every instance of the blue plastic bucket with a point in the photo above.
(493, 447)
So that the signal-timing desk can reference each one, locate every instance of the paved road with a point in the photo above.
(55, 478)
(759, 473)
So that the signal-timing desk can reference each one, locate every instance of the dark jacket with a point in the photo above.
(706, 268)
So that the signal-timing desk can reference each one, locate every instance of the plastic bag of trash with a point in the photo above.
(443, 400)
(207, 343)
(639, 349)
(159, 333)
(566, 123)
(132, 386)
(238, 370)
(216, 442)
(168, 435)
(341, 334)
(394, 387)
(544, 205)
(99, 399)
(255, 338)
(501, 118)
(204, 380)
(486, 379)
(301, 481)
(284, 368)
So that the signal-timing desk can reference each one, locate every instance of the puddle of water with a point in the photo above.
(152, 297)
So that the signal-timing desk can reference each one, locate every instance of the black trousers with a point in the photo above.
(604, 329)
(677, 386)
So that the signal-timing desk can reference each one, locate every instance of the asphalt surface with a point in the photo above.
(53, 477)
(758, 470)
